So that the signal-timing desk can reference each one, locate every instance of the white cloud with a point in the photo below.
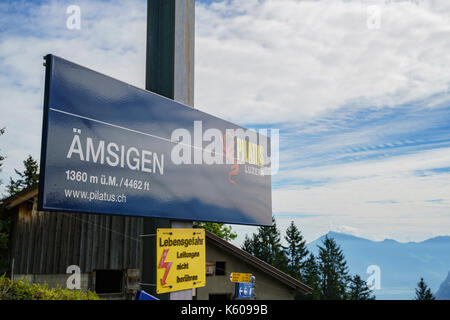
(279, 61)
(111, 40)
(267, 62)
(386, 196)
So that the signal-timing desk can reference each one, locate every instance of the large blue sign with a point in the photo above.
(111, 148)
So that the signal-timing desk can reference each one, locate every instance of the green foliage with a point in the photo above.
(333, 271)
(266, 245)
(311, 277)
(219, 229)
(27, 178)
(21, 290)
(423, 292)
(358, 289)
(249, 244)
(295, 251)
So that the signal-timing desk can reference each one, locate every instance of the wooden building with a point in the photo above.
(223, 258)
(107, 250)
(43, 245)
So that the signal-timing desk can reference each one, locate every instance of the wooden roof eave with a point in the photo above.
(25, 195)
(259, 264)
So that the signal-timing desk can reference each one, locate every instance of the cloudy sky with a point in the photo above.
(359, 90)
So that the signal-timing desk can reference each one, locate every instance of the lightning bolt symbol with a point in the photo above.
(164, 264)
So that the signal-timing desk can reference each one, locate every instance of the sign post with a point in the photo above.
(170, 73)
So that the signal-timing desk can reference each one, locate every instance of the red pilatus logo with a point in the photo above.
(228, 149)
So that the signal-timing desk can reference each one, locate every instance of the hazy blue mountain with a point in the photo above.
(401, 264)
(444, 290)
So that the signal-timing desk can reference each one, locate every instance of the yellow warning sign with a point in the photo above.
(241, 277)
(180, 259)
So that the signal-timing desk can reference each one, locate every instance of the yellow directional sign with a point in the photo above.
(180, 259)
(241, 277)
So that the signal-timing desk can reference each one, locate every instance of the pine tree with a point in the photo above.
(423, 292)
(311, 277)
(333, 271)
(249, 244)
(295, 251)
(27, 178)
(266, 245)
(358, 289)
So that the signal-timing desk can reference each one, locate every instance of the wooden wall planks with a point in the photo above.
(48, 242)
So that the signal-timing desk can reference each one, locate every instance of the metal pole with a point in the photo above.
(169, 72)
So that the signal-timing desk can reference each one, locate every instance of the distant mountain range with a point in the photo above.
(401, 265)
(444, 290)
